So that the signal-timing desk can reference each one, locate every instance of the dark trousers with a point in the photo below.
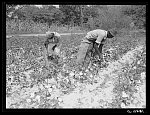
(82, 57)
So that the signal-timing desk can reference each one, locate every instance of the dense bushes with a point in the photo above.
(108, 19)
(137, 13)
(30, 27)
(93, 16)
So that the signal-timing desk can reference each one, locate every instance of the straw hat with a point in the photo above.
(50, 34)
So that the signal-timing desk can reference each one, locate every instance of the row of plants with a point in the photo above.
(25, 55)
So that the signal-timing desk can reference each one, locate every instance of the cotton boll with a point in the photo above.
(124, 94)
(57, 51)
(32, 95)
(91, 76)
(50, 90)
(54, 86)
(38, 98)
(138, 62)
(123, 105)
(28, 100)
(81, 73)
(60, 99)
(134, 67)
(72, 74)
(143, 75)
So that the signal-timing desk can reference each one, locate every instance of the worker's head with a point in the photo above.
(49, 34)
(111, 33)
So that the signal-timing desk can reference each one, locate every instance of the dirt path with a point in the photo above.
(97, 95)
(26, 35)
(100, 95)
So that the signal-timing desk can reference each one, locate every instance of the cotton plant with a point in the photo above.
(59, 83)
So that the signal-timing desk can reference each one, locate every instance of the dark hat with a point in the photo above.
(113, 32)
(109, 35)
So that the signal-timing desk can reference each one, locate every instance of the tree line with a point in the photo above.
(90, 16)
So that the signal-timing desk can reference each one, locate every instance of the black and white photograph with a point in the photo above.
(76, 56)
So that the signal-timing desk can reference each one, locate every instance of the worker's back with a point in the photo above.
(93, 35)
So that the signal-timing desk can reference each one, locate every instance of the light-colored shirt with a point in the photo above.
(97, 35)
(56, 34)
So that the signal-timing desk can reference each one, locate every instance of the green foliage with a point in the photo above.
(72, 13)
(39, 81)
(138, 14)
(9, 8)
(31, 27)
(47, 14)
(93, 17)
(105, 17)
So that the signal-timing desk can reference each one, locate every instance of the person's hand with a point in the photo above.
(101, 57)
(97, 44)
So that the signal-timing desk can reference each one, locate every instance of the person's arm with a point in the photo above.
(101, 44)
(58, 46)
(98, 51)
(100, 48)
(59, 42)
(46, 43)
